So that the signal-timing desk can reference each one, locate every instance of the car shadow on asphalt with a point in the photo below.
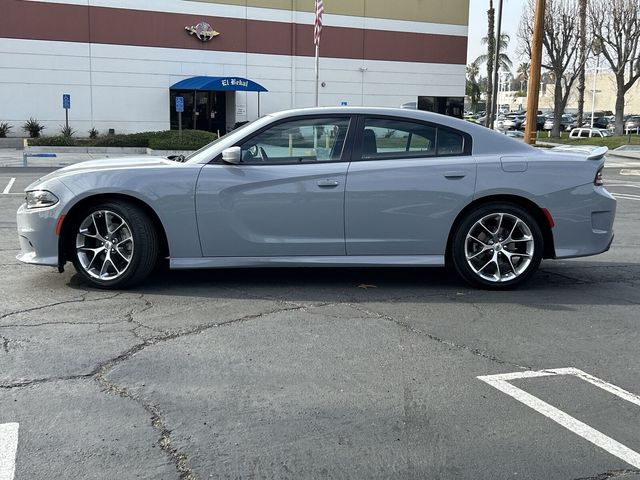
(556, 283)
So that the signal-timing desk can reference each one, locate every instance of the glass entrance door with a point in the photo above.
(203, 110)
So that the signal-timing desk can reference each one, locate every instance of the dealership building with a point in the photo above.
(123, 63)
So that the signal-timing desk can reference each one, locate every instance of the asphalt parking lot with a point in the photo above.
(323, 373)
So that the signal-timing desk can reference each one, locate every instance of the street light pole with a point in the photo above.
(534, 74)
(593, 93)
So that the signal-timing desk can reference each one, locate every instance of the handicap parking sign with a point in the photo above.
(66, 101)
(179, 104)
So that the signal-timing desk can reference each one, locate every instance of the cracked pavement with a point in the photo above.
(317, 373)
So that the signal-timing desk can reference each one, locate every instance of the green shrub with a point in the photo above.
(58, 141)
(67, 131)
(121, 141)
(171, 140)
(4, 129)
(33, 127)
(166, 140)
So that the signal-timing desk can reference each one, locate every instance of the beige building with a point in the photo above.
(605, 98)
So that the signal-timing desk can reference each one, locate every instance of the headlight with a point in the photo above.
(40, 199)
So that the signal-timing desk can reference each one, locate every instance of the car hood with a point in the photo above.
(110, 164)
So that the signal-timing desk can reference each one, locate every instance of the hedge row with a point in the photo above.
(166, 140)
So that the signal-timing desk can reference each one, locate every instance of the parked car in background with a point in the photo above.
(602, 122)
(567, 123)
(540, 119)
(513, 121)
(514, 133)
(632, 123)
(587, 132)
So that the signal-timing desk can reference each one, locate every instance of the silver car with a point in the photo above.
(338, 187)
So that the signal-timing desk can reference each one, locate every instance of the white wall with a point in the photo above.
(127, 87)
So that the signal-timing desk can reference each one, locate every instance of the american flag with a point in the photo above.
(318, 23)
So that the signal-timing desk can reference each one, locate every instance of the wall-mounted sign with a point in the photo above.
(202, 31)
(241, 110)
(235, 82)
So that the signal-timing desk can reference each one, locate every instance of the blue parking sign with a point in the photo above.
(66, 101)
(179, 104)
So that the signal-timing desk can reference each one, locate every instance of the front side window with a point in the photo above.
(298, 141)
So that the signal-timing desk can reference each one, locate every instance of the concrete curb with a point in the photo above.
(91, 150)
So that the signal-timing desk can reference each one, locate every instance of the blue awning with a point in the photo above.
(218, 84)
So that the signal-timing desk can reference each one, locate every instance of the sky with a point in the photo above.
(478, 27)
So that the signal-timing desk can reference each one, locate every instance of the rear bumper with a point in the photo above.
(587, 227)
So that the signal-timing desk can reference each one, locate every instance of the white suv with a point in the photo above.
(589, 133)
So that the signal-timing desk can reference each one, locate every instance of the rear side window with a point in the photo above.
(449, 143)
(584, 133)
(391, 138)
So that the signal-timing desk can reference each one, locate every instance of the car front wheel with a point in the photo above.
(114, 245)
(497, 246)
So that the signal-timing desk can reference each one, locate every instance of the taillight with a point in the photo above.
(599, 180)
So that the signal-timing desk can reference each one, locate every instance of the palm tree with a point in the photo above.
(473, 69)
(523, 74)
(491, 48)
(504, 61)
(472, 89)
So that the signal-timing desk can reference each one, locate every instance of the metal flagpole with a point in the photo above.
(317, 31)
(317, 72)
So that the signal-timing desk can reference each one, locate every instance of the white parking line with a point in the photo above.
(8, 450)
(625, 171)
(7, 189)
(627, 196)
(501, 382)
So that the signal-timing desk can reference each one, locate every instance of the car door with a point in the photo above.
(285, 197)
(406, 184)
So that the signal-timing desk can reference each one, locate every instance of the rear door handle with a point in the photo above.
(455, 175)
(328, 183)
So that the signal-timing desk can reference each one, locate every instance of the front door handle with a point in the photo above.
(455, 175)
(328, 183)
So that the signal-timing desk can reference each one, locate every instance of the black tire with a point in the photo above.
(144, 245)
(500, 260)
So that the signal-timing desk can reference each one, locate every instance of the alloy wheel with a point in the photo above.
(499, 247)
(104, 245)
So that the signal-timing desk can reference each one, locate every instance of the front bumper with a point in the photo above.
(37, 236)
(37, 227)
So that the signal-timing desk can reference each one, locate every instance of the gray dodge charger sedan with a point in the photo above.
(326, 187)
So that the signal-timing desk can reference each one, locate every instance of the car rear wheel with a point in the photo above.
(114, 245)
(497, 246)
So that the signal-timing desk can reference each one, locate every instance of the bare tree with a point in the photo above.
(583, 58)
(491, 48)
(616, 28)
(560, 56)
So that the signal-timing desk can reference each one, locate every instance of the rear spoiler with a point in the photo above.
(598, 153)
(592, 152)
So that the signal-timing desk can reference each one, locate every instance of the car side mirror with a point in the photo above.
(232, 155)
